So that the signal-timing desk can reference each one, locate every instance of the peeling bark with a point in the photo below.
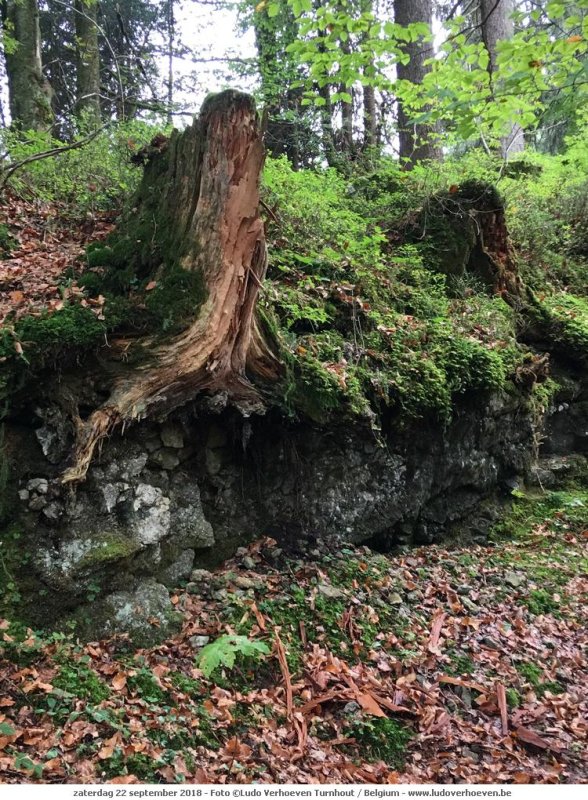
(211, 207)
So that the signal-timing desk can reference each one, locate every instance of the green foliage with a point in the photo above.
(224, 651)
(365, 325)
(95, 177)
(7, 241)
(533, 67)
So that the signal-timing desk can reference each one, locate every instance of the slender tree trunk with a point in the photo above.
(28, 91)
(497, 25)
(171, 32)
(87, 60)
(327, 132)
(370, 120)
(205, 186)
(416, 142)
(346, 112)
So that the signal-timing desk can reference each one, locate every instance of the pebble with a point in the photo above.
(201, 576)
(37, 503)
(395, 599)
(243, 582)
(470, 605)
(514, 580)
(199, 641)
(248, 562)
(464, 589)
(331, 592)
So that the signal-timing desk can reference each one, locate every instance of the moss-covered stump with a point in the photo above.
(463, 233)
(193, 242)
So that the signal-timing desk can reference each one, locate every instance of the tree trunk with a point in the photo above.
(327, 132)
(171, 31)
(370, 122)
(205, 186)
(87, 60)
(497, 25)
(28, 91)
(416, 142)
(346, 111)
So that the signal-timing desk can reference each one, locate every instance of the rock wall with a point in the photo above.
(164, 498)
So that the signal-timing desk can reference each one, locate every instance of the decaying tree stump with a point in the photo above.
(201, 192)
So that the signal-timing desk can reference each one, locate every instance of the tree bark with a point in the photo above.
(87, 60)
(415, 142)
(208, 201)
(497, 25)
(370, 122)
(28, 91)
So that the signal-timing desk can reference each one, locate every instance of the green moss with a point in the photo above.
(107, 549)
(82, 682)
(177, 299)
(42, 338)
(138, 764)
(7, 241)
(533, 675)
(143, 683)
(513, 698)
(540, 601)
(382, 739)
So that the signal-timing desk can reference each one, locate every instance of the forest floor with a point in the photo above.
(40, 244)
(438, 665)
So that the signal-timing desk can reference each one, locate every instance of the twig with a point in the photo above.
(285, 674)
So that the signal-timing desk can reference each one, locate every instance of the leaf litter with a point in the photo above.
(479, 687)
(38, 271)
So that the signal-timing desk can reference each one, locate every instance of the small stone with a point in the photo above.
(220, 594)
(24, 494)
(199, 641)
(248, 562)
(172, 436)
(152, 444)
(53, 511)
(464, 589)
(514, 580)
(39, 485)
(470, 605)
(193, 588)
(243, 582)
(351, 708)
(315, 553)
(275, 553)
(470, 754)
(414, 597)
(241, 551)
(395, 599)
(201, 576)
(166, 458)
(490, 642)
(330, 592)
(37, 503)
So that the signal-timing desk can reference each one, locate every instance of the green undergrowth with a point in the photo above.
(368, 299)
(367, 325)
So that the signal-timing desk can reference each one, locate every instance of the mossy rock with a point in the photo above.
(146, 614)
